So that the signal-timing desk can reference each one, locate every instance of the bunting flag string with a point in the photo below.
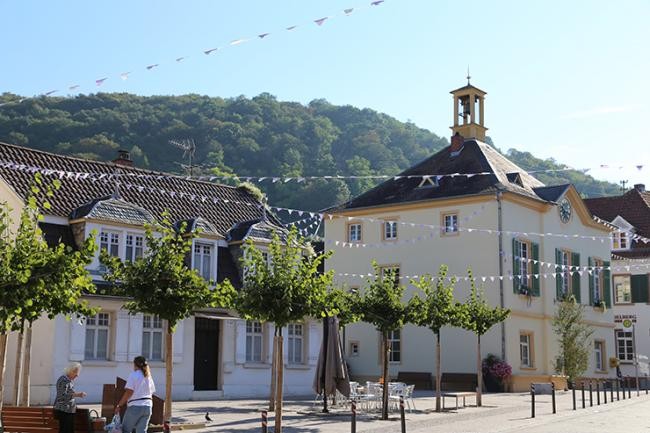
(319, 22)
(575, 267)
(114, 177)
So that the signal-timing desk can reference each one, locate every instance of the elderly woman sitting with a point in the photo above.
(64, 403)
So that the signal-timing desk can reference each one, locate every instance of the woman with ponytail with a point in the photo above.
(138, 394)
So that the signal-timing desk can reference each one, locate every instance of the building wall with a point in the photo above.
(8, 196)
(478, 250)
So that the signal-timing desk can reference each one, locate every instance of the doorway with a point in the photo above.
(206, 354)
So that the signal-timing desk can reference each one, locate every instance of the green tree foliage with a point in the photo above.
(160, 283)
(436, 310)
(477, 316)
(381, 304)
(574, 338)
(37, 280)
(282, 288)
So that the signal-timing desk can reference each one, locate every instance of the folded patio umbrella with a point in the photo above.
(331, 371)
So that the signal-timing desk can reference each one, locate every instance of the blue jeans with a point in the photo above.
(136, 418)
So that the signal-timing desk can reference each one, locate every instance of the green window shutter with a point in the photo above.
(516, 263)
(607, 284)
(575, 284)
(591, 281)
(536, 281)
(558, 274)
(639, 288)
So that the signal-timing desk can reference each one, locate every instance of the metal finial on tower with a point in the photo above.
(468, 75)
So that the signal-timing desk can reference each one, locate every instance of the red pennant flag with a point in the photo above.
(207, 52)
(320, 21)
(150, 67)
(263, 35)
(101, 81)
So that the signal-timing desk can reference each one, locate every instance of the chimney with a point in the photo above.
(639, 187)
(123, 158)
(457, 141)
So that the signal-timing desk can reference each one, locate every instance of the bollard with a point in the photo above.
(598, 393)
(573, 394)
(605, 391)
(629, 389)
(591, 395)
(618, 397)
(553, 395)
(265, 423)
(583, 395)
(532, 400)
(611, 391)
(353, 426)
(401, 413)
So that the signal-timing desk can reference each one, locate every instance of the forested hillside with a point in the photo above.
(256, 137)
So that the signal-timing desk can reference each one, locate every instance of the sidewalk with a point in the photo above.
(500, 413)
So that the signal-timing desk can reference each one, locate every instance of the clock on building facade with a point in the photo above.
(564, 208)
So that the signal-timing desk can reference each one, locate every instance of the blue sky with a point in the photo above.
(565, 79)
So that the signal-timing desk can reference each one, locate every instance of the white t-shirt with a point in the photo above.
(143, 388)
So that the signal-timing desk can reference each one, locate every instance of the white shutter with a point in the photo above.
(314, 341)
(122, 336)
(177, 341)
(135, 336)
(240, 342)
(77, 339)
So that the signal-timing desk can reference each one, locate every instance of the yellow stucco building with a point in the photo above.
(469, 206)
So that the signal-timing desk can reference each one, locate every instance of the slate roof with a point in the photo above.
(234, 204)
(113, 209)
(475, 157)
(634, 207)
(551, 193)
(260, 229)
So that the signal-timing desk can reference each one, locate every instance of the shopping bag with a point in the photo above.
(115, 426)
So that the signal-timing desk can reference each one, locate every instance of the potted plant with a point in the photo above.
(495, 372)
(598, 303)
(613, 362)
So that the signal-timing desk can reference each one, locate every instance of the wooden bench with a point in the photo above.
(40, 420)
(28, 420)
(458, 385)
(420, 380)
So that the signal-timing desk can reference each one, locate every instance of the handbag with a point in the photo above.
(116, 424)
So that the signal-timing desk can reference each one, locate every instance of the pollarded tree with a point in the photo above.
(36, 280)
(574, 338)
(161, 284)
(436, 310)
(477, 316)
(282, 288)
(381, 304)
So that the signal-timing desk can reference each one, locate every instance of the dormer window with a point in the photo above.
(428, 182)
(203, 260)
(134, 247)
(515, 178)
(110, 242)
(620, 240)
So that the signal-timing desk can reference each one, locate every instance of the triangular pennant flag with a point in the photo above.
(101, 81)
(263, 35)
(74, 86)
(238, 41)
(211, 50)
(291, 28)
(320, 21)
(124, 75)
(348, 11)
(180, 59)
(150, 67)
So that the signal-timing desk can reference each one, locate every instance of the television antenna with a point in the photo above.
(623, 184)
(188, 147)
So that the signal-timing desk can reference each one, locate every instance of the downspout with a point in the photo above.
(501, 256)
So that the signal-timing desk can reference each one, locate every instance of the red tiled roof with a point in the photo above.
(235, 205)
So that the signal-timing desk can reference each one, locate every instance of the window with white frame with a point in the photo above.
(450, 222)
(620, 240)
(395, 346)
(622, 289)
(134, 247)
(390, 230)
(525, 350)
(203, 260)
(523, 255)
(565, 261)
(254, 340)
(295, 343)
(624, 345)
(152, 337)
(110, 242)
(97, 336)
(354, 232)
(599, 352)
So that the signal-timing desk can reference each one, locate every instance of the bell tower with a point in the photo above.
(469, 116)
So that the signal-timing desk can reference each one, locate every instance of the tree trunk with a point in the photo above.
(17, 368)
(279, 385)
(479, 374)
(438, 372)
(274, 366)
(384, 394)
(3, 362)
(169, 366)
(27, 361)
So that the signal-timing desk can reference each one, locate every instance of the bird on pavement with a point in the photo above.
(207, 416)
